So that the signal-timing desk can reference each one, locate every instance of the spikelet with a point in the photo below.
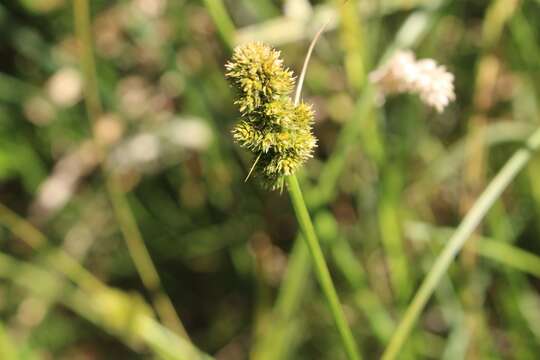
(404, 74)
(271, 126)
(257, 72)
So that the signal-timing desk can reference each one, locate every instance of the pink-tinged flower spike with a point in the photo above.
(404, 74)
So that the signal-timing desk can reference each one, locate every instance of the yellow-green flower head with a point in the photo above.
(258, 73)
(271, 126)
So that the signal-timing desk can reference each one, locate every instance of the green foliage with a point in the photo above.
(387, 186)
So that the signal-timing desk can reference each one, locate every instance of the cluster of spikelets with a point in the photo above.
(276, 130)
(403, 73)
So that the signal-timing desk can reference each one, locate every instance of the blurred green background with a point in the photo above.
(386, 189)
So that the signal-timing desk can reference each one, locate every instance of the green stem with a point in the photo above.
(456, 242)
(8, 349)
(126, 220)
(123, 315)
(58, 259)
(321, 269)
(308, 231)
(223, 22)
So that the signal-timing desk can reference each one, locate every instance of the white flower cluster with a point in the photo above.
(403, 73)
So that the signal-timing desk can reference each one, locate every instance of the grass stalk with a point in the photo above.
(321, 269)
(121, 314)
(8, 348)
(471, 220)
(312, 242)
(126, 220)
(157, 337)
(57, 259)
(501, 252)
(224, 24)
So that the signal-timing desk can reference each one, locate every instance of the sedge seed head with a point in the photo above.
(278, 132)
(257, 71)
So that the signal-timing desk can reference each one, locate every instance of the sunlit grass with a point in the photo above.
(111, 227)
